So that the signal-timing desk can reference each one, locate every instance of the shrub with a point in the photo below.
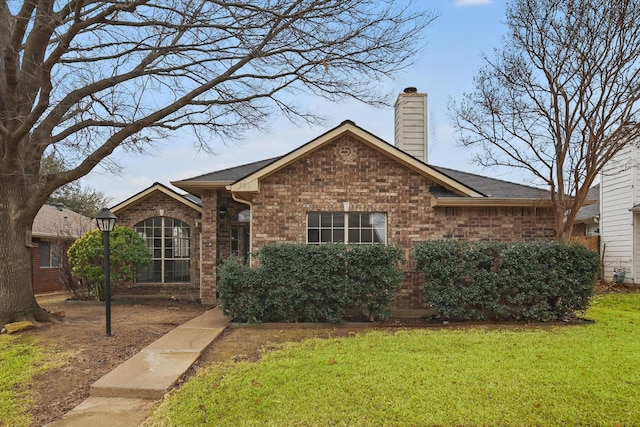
(537, 281)
(310, 283)
(128, 251)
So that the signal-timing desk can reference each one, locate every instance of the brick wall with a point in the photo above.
(160, 204)
(371, 182)
(46, 279)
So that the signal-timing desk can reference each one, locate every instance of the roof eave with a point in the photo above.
(488, 202)
(196, 187)
(148, 191)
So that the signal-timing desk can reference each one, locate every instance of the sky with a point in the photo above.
(444, 70)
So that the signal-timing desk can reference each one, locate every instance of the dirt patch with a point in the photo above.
(250, 343)
(88, 353)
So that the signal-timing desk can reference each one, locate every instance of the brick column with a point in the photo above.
(208, 276)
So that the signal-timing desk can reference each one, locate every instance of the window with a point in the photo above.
(242, 216)
(169, 243)
(50, 254)
(357, 228)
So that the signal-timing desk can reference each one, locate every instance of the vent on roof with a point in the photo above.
(411, 90)
(59, 206)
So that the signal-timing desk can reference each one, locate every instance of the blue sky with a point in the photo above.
(444, 70)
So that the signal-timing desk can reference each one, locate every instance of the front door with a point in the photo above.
(240, 242)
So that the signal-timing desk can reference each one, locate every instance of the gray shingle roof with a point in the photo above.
(490, 187)
(232, 174)
(590, 211)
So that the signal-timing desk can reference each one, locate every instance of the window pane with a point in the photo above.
(365, 220)
(181, 271)
(325, 220)
(366, 235)
(314, 220)
(44, 254)
(168, 271)
(379, 225)
(325, 227)
(354, 221)
(56, 255)
(354, 235)
(157, 271)
(243, 216)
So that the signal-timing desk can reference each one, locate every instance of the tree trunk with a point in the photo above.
(17, 300)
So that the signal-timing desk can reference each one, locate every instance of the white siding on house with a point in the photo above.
(619, 193)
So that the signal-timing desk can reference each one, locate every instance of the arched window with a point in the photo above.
(169, 243)
(242, 216)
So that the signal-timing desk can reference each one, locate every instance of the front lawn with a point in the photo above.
(20, 359)
(508, 376)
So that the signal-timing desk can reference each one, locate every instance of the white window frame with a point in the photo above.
(179, 249)
(342, 227)
(54, 251)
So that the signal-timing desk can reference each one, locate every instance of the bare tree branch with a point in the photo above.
(560, 98)
(82, 78)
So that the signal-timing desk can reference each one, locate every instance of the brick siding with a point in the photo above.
(321, 181)
(46, 279)
(372, 182)
(151, 207)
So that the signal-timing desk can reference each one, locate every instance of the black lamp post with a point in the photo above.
(106, 222)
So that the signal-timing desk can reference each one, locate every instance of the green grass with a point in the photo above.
(20, 359)
(476, 376)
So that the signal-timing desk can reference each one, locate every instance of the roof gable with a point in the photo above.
(251, 182)
(453, 187)
(188, 200)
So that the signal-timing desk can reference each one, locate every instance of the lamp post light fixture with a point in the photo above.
(106, 221)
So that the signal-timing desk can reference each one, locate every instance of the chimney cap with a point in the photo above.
(410, 89)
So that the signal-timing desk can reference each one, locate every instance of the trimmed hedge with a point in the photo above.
(534, 281)
(307, 283)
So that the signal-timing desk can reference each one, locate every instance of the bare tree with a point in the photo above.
(80, 78)
(559, 98)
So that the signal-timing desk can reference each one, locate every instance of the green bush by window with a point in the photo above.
(307, 283)
(538, 281)
(128, 252)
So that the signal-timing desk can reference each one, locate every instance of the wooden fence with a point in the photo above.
(591, 242)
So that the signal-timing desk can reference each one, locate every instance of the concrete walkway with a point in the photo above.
(125, 396)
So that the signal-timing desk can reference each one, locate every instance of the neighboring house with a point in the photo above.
(586, 226)
(346, 185)
(620, 215)
(587, 222)
(55, 228)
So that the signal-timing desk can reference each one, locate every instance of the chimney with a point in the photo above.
(411, 123)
